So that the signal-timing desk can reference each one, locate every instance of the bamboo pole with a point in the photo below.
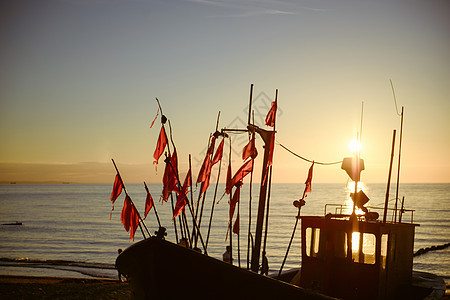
(389, 178)
(398, 166)
(270, 186)
(214, 201)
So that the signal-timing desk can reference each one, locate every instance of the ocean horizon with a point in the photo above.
(67, 230)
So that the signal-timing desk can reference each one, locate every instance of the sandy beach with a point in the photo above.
(21, 287)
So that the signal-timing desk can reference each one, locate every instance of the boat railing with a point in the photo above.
(345, 211)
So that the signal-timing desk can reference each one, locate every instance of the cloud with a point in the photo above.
(251, 8)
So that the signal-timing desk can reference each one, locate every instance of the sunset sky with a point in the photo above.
(78, 82)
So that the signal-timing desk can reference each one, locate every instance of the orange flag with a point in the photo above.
(182, 199)
(234, 200)
(270, 118)
(236, 225)
(160, 146)
(170, 176)
(309, 179)
(117, 188)
(219, 154)
(242, 172)
(148, 204)
(249, 149)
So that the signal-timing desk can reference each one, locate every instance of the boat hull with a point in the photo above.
(158, 269)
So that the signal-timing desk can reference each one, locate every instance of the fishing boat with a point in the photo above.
(348, 253)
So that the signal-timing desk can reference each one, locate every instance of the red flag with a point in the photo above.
(170, 176)
(160, 146)
(126, 213)
(219, 154)
(228, 185)
(157, 113)
(148, 204)
(182, 199)
(236, 225)
(134, 221)
(129, 217)
(309, 179)
(270, 118)
(249, 149)
(272, 145)
(242, 172)
(206, 167)
(117, 188)
(234, 200)
(211, 146)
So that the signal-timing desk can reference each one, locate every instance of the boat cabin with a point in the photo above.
(350, 257)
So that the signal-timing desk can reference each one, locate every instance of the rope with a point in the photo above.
(308, 160)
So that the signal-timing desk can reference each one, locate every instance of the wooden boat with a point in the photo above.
(345, 254)
(158, 269)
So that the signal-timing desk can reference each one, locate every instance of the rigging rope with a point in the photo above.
(308, 160)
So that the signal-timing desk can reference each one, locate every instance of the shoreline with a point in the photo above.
(29, 287)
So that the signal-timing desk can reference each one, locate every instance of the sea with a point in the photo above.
(70, 230)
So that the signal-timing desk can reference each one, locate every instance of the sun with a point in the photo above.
(355, 146)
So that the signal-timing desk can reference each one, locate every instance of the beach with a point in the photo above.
(23, 287)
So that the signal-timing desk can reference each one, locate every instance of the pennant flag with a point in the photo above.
(241, 173)
(234, 200)
(126, 213)
(309, 180)
(182, 199)
(228, 185)
(157, 113)
(117, 189)
(270, 118)
(129, 217)
(148, 204)
(170, 176)
(272, 145)
(211, 146)
(236, 225)
(249, 149)
(205, 169)
(219, 154)
(160, 146)
(134, 221)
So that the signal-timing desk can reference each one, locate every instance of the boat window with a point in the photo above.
(312, 241)
(338, 244)
(368, 248)
(363, 247)
(384, 247)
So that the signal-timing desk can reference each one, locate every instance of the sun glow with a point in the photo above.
(355, 146)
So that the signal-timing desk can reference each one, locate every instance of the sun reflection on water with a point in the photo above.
(348, 200)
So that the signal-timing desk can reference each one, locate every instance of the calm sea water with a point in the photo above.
(67, 230)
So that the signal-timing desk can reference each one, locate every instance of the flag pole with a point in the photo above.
(214, 201)
(251, 180)
(209, 175)
(389, 178)
(126, 193)
(398, 166)
(268, 194)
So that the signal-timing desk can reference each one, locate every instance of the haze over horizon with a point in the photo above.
(79, 81)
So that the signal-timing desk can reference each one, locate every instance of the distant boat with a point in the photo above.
(15, 223)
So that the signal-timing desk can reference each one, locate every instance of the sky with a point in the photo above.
(79, 78)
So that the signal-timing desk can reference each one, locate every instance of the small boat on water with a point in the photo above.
(348, 253)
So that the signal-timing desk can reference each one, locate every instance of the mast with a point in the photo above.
(266, 136)
(389, 178)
